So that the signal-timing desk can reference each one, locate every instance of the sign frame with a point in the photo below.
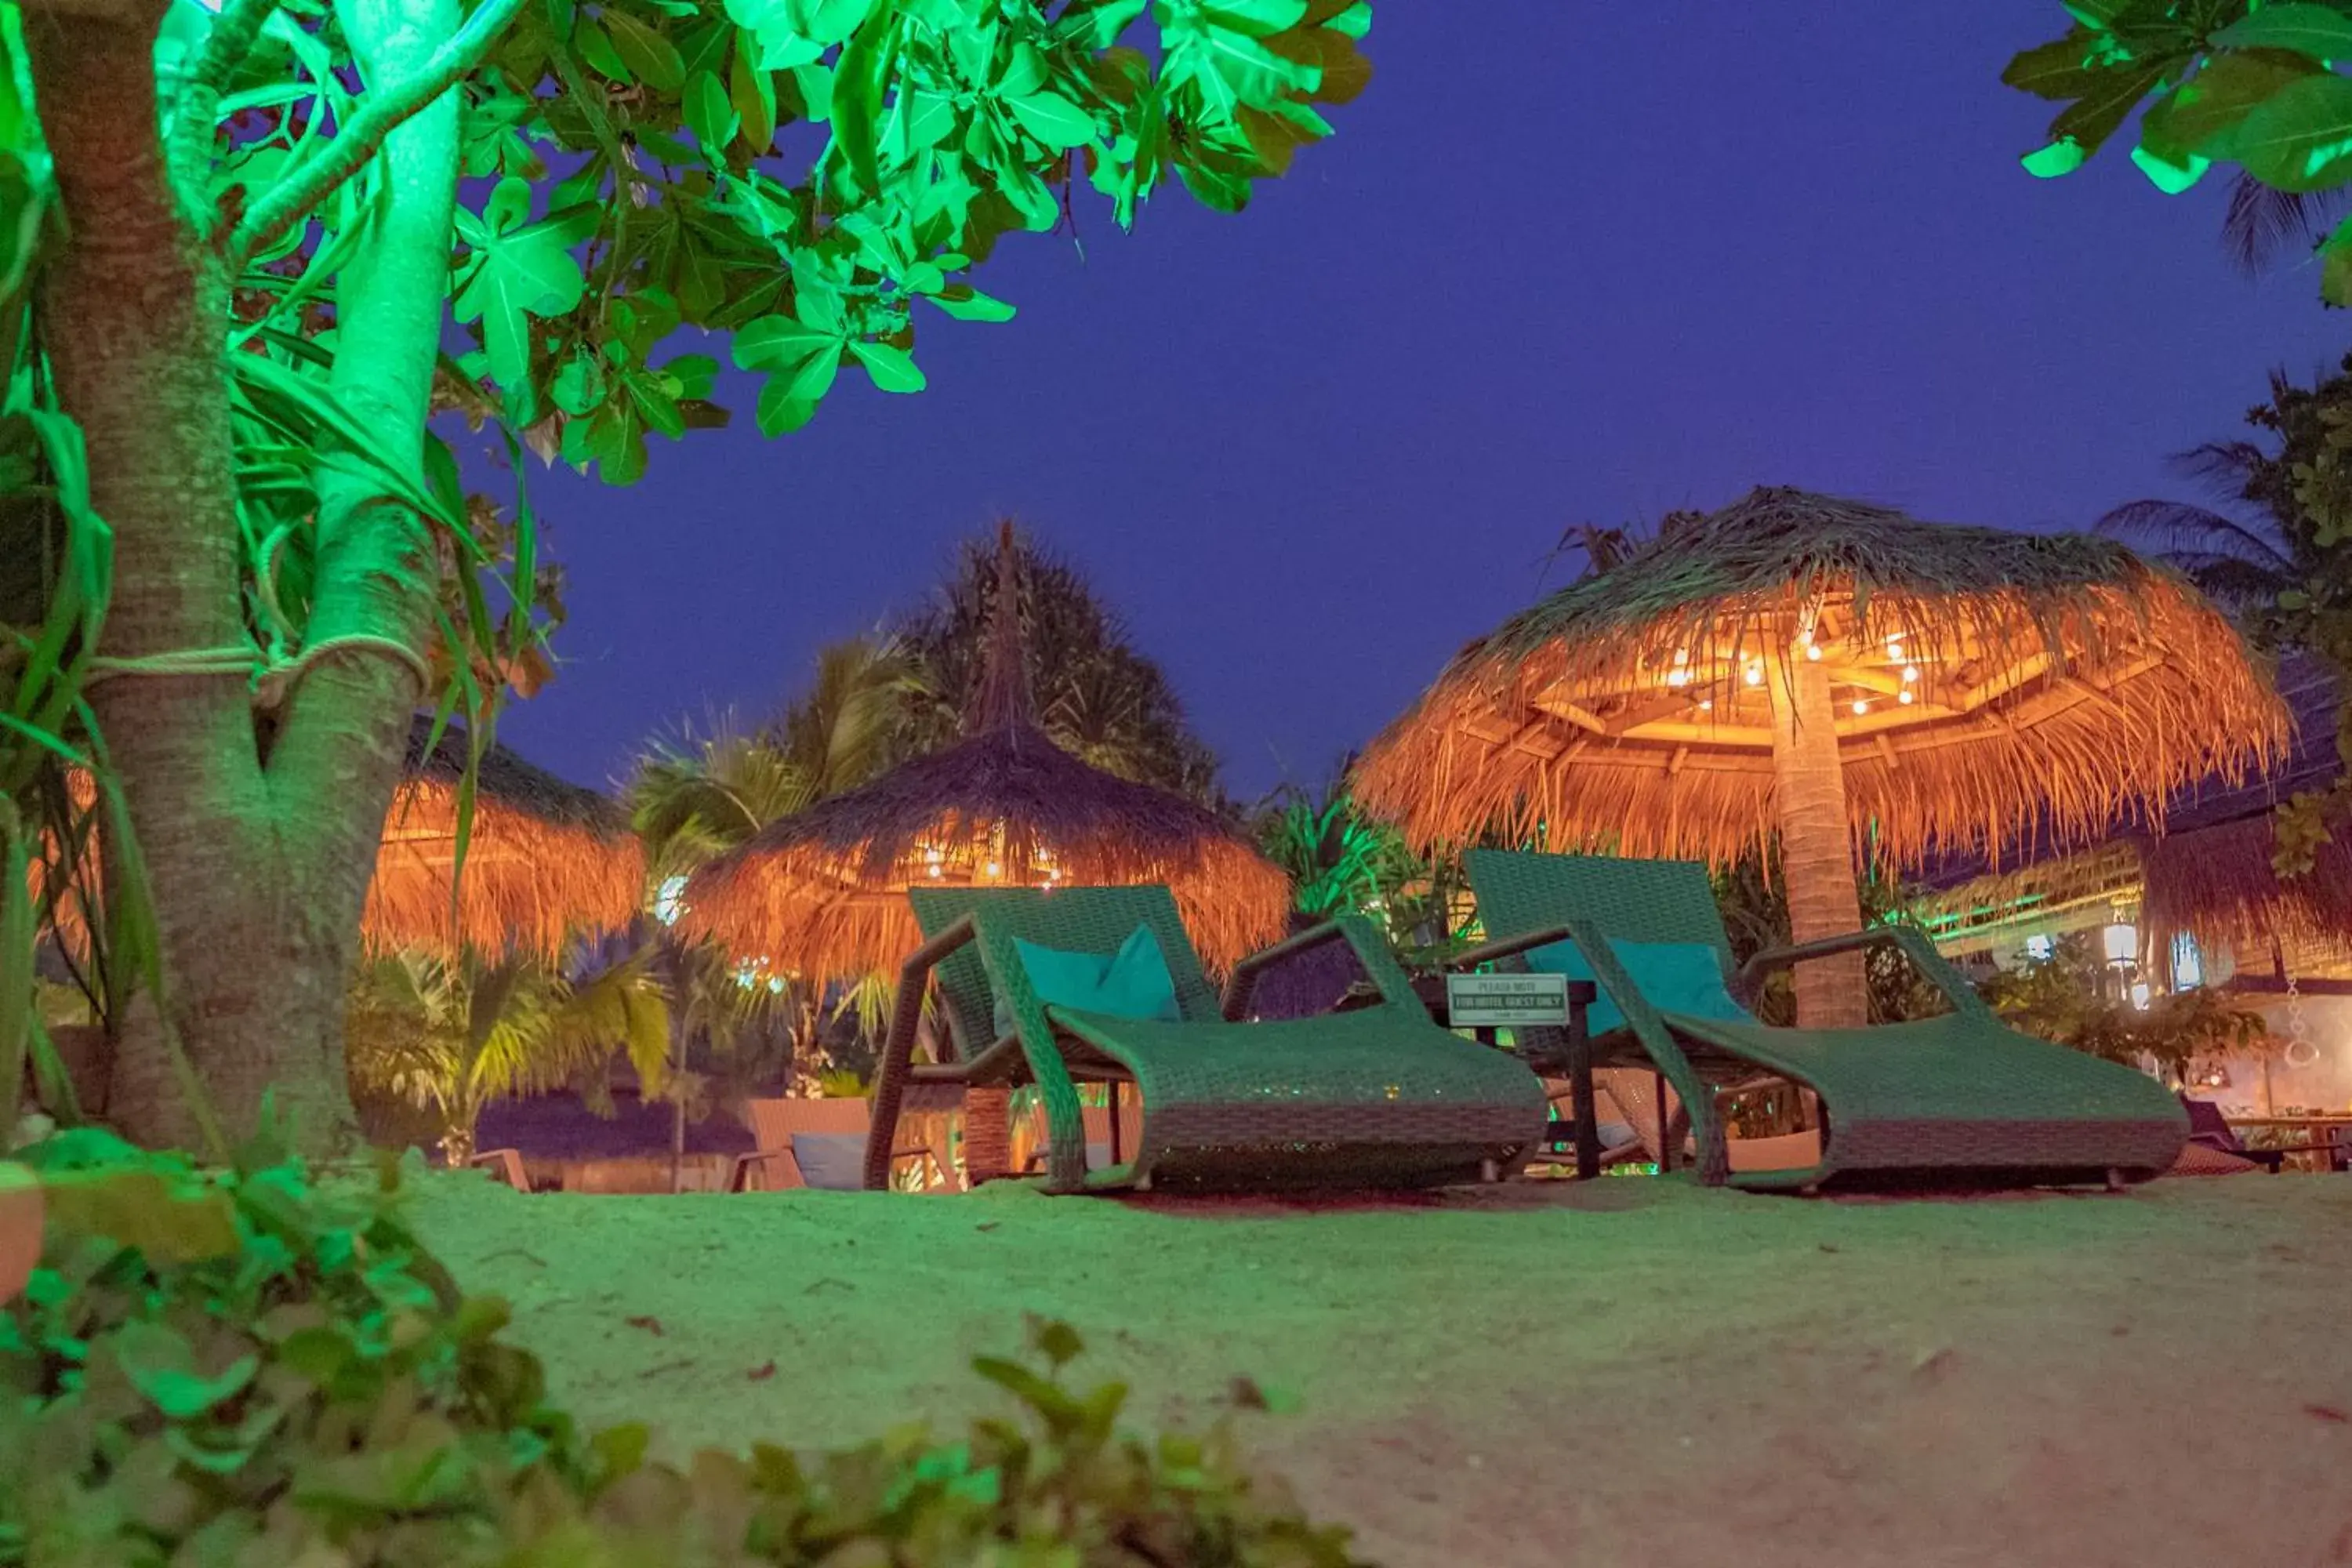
(1522, 1001)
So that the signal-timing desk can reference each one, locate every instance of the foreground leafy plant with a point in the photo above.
(322, 1394)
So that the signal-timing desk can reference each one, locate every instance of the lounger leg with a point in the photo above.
(2116, 1182)
(1490, 1172)
(1588, 1118)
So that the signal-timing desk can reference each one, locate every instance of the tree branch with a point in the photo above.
(195, 120)
(305, 187)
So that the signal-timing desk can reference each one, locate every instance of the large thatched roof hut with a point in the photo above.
(1830, 671)
(823, 892)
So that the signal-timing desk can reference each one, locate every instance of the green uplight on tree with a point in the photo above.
(281, 555)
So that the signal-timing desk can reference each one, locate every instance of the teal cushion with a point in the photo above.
(1132, 983)
(1672, 976)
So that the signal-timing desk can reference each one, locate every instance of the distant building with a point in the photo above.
(2198, 904)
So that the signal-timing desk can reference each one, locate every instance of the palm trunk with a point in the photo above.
(257, 840)
(1816, 841)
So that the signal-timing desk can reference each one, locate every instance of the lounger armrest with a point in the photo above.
(1371, 951)
(1932, 966)
(1650, 1028)
(899, 1048)
(739, 1172)
(1507, 947)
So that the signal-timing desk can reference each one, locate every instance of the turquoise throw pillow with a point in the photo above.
(1133, 983)
(1673, 976)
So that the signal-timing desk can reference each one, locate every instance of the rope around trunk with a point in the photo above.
(274, 676)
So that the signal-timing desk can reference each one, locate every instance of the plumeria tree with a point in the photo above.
(233, 243)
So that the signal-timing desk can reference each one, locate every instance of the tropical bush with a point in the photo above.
(2061, 999)
(451, 1038)
(259, 1368)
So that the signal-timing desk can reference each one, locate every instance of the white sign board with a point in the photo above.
(1490, 1001)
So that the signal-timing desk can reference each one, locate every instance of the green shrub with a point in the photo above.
(257, 1370)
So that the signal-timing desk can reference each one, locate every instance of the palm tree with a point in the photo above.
(2256, 536)
(1095, 696)
(695, 797)
(454, 1038)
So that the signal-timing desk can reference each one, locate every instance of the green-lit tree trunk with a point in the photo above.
(1816, 842)
(259, 833)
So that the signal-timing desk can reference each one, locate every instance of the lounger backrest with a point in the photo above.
(1075, 920)
(1630, 901)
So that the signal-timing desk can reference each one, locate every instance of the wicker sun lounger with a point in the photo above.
(1376, 1098)
(1960, 1097)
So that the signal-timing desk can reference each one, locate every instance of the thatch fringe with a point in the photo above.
(545, 858)
(821, 892)
(529, 881)
(2131, 686)
(2219, 885)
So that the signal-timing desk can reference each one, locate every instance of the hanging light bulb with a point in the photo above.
(1813, 650)
(1904, 697)
(1755, 673)
(1861, 706)
(1910, 674)
(996, 868)
(1706, 704)
(1895, 647)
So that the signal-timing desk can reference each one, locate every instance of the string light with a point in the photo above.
(1895, 647)
(1904, 697)
(1706, 704)
(1813, 650)
(1910, 673)
(1861, 705)
(1755, 673)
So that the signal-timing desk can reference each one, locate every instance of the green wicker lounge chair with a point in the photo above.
(1960, 1097)
(1377, 1097)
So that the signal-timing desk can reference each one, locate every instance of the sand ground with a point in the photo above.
(1634, 1371)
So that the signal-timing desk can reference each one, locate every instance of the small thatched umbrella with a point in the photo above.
(823, 892)
(543, 858)
(1832, 671)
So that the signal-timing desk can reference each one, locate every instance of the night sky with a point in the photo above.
(1562, 263)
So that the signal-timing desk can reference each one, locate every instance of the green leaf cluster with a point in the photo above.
(2258, 85)
(2062, 998)
(321, 1391)
(811, 176)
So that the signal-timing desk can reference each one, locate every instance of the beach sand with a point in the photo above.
(1633, 1371)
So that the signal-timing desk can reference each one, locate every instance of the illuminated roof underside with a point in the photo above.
(1987, 685)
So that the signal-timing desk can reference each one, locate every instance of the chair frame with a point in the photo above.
(1035, 1050)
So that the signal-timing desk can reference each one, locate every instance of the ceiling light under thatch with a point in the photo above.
(823, 892)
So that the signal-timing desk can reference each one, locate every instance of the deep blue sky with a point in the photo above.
(1575, 262)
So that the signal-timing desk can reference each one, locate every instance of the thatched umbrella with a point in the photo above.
(1833, 671)
(821, 891)
(543, 858)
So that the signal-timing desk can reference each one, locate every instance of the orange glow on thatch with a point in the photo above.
(529, 881)
(1987, 687)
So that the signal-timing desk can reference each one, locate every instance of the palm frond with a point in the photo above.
(2196, 538)
(2262, 223)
